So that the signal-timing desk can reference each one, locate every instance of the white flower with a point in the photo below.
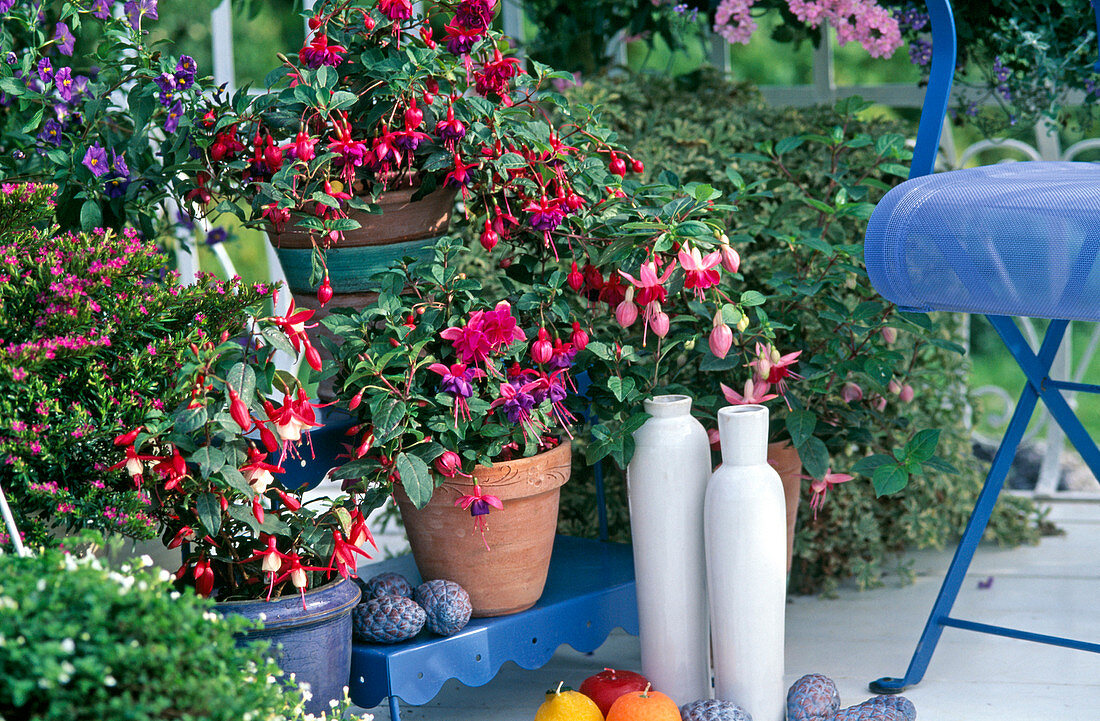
(263, 616)
(67, 646)
(41, 585)
(146, 561)
(109, 680)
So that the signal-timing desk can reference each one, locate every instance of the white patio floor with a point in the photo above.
(858, 636)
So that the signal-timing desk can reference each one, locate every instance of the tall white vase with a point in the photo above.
(666, 484)
(746, 542)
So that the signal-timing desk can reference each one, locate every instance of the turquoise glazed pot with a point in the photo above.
(314, 643)
(403, 228)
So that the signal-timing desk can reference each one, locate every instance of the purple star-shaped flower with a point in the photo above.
(173, 120)
(65, 39)
(6, 5)
(118, 164)
(51, 132)
(63, 81)
(137, 9)
(95, 160)
(102, 9)
(45, 70)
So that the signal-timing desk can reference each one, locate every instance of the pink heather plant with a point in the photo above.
(862, 21)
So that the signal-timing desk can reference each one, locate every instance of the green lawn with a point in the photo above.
(992, 365)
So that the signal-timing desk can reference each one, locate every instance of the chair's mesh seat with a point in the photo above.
(1012, 239)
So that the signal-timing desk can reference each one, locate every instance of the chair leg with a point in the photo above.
(395, 710)
(1036, 369)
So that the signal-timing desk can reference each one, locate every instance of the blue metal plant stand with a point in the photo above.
(589, 592)
(1019, 239)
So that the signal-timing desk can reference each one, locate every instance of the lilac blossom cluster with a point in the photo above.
(862, 21)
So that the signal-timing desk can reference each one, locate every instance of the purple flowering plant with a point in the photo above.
(87, 104)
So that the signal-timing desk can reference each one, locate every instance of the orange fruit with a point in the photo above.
(644, 706)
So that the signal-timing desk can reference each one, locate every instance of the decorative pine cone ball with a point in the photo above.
(713, 710)
(812, 696)
(386, 584)
(446, 604)
(880, 708)
(388, 619)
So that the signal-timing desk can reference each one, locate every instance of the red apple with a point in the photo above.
(608, 685)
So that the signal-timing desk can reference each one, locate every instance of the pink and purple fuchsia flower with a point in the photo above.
(458, 380)
(479, 506)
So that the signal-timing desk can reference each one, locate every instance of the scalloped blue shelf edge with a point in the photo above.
(589, 592)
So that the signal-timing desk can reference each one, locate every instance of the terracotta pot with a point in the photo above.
(783, 457)
(510, 576)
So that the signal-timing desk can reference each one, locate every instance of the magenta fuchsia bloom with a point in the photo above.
(500, 327)
(721, 337)
(495, 75)
(479, 505)
(821, 486)
(461, 39)
(450, 129)
(458, 380)
(296, 416)
(353, 153)
(517, 400)
(469, 341)
(699, 273)
(756, 392)
(650, 286)
(319, 53)
(396, 10)
(475, 13)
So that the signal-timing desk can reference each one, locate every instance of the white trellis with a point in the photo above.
(822, 89)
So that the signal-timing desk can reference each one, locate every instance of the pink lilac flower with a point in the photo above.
(733, 20)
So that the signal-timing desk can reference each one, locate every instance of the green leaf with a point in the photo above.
(786, 145)
(190, 419)
(868, 464)
(923, 445)
(242, 379)
(91, 216)
(278, 339)
(388, 419)
(235, 480)
(801, 424)
(601, 350)
(210, 460)
(416, 479)
(210, 513)
(752, 297)
(815, 456)
(620, 387)
(889, 478)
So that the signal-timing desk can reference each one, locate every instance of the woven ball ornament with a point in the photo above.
(386, 584)
(446, 604)
(389, 619)
(713, 710)
(880, 708)
(812, 697)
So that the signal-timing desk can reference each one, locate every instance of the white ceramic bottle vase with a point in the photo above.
(746, 543)
(666, 483)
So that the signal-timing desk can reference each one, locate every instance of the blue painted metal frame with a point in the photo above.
(1036, 368)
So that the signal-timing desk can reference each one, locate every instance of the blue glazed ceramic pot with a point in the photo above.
(315, 642)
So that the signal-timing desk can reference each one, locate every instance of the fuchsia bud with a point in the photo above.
(575, 279)
(626, 312)
(268, 439)
(489, 237)
(324, 293)
(894, 386)
(413, 117)
(580, 338)
(731, 261)
(851, 392)
(356, 400)
(889, 335)
(258, 509)
(129, 437)
(907, 393)
(638, 166)
(880, 403)
(313, 357)
(714, 438)
(721, 337)
(617, 166)
(239, 411)
(288, 500)
(658, 319)
(542, 350)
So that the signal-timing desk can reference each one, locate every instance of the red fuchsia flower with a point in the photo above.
(343, 555)
(271, 561)
(650, 285)
(396, 10)
(821, 486)
(324, 292)
(182, 536)
(303, 147)
(699, 271)
(721, 337)
(626, 312)
(258, 472)
(278, 217)
(293, 323)
(352, 153)
(469, 341)
(542, 350)
(460, 39)
(449, 465)
(475, 13)
(203, 574)
(774, 368)
(488, 237)
(319, 53)
(296, 572)
(575, 279)
(450, 129)
(458, 381)
(239, 411)
(384, 150)
(500, 327)
(295, 417)
(461, 176)
(359, 534)
(731, 261)
(546, 214)
(479, 505)
(171, 469)
(495, 75)
(756, 392)
(134, 463)
(851, 392)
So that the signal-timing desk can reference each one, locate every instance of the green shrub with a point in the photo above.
(791, 228)
(79, 641)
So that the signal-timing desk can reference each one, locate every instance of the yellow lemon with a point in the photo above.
(568, 705)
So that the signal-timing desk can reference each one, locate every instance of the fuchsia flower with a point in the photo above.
(774, 368)
(353, 153)
(650, 285)
(479, 507)
(469, 341)
(319, 53)
(699, 272)
(721, 337)
(755, 392)
(494, 75)
(500, 327)
(258, 472)
(396, 10)
(821, 486)
(517, 400)
(731, 261)
(626, 312)
(851, 392)
(458, 381)
(295, 417)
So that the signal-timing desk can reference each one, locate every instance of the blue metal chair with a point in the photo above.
(589, 592)
(1016, 239)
